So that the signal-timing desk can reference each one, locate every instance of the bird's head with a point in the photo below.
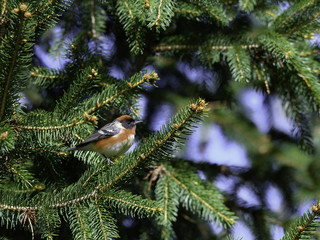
(127, 122)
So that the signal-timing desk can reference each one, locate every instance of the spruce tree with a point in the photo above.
(155, 191)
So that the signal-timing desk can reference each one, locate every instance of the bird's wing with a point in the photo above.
(107, 131)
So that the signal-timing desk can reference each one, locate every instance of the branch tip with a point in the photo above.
(27, 14)
(23, 7)
(147, 4)
(4, 135)
(193, 107)
(314, 208)
(146, 77)
(300, 228)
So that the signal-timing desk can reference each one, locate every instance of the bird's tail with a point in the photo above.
(72, 148)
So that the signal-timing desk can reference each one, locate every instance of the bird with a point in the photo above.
(111, 140)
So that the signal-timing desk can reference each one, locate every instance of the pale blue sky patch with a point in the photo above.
(242, 231)
(247, 195)
(48, 60)
(274, 199)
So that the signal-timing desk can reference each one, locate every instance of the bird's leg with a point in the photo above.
(109, 161)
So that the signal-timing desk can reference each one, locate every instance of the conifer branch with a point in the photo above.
(278, 46)
(315, 71)
(83, 231)
(3, 7)
(170, 207)
(67, 101)
(308, 53)
(130, 11)
(123, 173)
(50, 127)
(12, 66)
(130, 86)
(20, 176)
(206, 9)
(163, 47)
(31, 227)
(44, 150)
(302, 24)
(129, 204)
(22, 190)
(42, 21)
(17, 208)
(43, 7)
(257, 71)
(245, 5)
(122, 201)
(134, 25)
(265, 79)
(294, 13)
(302, 227)
(37, 74)
(134, 111)
(306, 81)
(48, 226)
(239, 62)
(230, 221)
(100, 219)
(159, 14)
(186, 11)
(165, 234)
(89, 111)
(168, 197)
(93, 194)
(239, 65)
(93, 174)
(46, 15)
(48, 223)
(93, 20)
(75, 54)
(78, 137)
(272, 14)
(166, 200)
(46, 76)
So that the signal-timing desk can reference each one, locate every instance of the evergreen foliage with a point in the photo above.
(48, 192)
(306, 227)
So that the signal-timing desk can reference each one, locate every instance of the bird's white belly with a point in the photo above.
(119, 148)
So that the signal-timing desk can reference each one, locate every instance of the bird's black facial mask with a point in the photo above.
(129, 123)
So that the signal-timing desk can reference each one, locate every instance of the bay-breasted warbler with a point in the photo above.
(113, 139)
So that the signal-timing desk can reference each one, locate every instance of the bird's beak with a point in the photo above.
(137, 121)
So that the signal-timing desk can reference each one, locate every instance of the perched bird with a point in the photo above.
(113, 139)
